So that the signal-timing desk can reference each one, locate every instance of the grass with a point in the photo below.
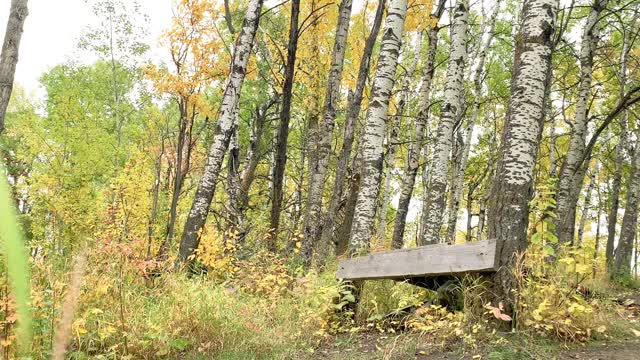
(195, 318)
(262, 308)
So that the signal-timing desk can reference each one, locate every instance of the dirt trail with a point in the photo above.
(617, 351)
(375, 346)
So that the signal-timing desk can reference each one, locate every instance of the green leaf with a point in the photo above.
(549, 250)
(340, 305)
(17, 263)
(536, 237)
(349, 297)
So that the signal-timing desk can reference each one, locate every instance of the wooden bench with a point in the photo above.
(427, 266)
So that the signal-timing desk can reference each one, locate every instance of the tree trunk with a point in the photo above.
(624, 251)
(468, 234)
(222, 134)
(10, 50)
(597, 240)
(155, 195)
(426, 179)
(283, 129)
(572, 172)
(239, 181)
(552, 149)
(489, 178)
(458, 176)
(374, 130)
(180, 172)
(586, 206)
(344, 229)
(620, 148)
(451, 107)
(354, 104)
(235, 218)
(513, 185)
(393, 139)
(413, 158)
(320, 158)
(254, 153)
(227, 17)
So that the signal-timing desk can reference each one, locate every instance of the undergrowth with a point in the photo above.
(263, 306)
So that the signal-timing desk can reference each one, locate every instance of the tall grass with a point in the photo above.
(17, 262)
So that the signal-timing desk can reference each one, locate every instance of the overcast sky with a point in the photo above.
(53, 28)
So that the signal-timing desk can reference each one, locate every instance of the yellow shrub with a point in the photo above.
(549, 300)
(218, 256)
(264, 274)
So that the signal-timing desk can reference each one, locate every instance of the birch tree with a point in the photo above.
(572, 172)
(413, 158)
(508, 213)
(620, 149)
(10, 50)
(586, 205)
(628, 231)
(320, 159)
(375, 126)
(354, 104)
(222, 133)
(392, 139)
(239, 181)
(477, 77)
(280, 161)
(451, 107)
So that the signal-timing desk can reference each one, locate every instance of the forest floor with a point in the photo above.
(510, 346)
(405, 346)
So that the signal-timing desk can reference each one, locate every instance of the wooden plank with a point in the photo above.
(431, 260)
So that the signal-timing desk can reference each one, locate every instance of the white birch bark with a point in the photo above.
(458, 177)
(620, 149)
(405, 92)
(421, 123)
(320, 160)
(282, 134)
(512, 190)
(223, 132)
(381, 230)
(572, 173)
(339, 235)
(586, 205)
(374, 129)
(624, 251)
(552, 148)
(452, 103)
(10, 50)
(235, 219)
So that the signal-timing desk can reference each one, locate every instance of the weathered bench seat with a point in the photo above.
(418, 264)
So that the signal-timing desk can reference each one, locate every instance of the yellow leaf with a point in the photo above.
(95, 311)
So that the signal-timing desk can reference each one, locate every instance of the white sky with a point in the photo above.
(53, 28)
